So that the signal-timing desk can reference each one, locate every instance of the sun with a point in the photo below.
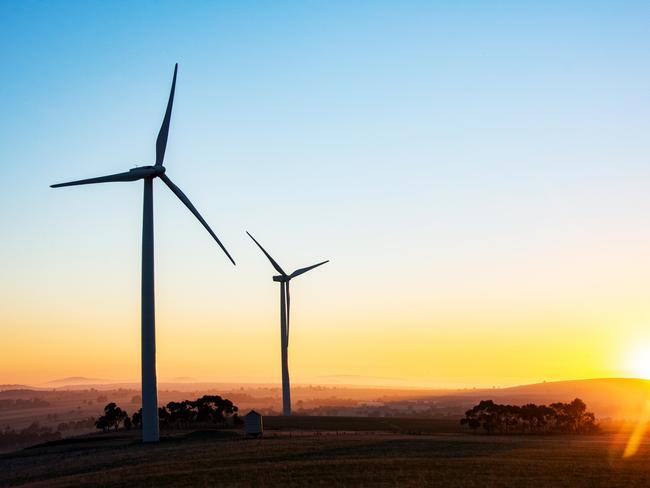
(638, 361)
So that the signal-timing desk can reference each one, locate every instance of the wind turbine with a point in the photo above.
(150, 432)
(285, 304)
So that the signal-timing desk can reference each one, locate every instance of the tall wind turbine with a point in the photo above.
(150, 431)
(285, 304)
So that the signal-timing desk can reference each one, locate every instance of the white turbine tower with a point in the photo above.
(150, 431)
(285, 305)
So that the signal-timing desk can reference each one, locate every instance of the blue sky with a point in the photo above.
(466, 166)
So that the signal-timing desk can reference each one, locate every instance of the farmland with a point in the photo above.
(322, 451)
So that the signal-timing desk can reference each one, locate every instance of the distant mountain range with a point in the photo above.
(77, 380)
(85, 381)
(16, 387)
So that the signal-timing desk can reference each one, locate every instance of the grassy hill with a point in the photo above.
(301, 452)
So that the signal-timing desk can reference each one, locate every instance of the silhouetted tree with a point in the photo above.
(113, 417)
(181, 414)
(213, 408)
(163, 416)
(136, 419)
(207, 409)
(573, 417)
(102, 423)
(559, 417)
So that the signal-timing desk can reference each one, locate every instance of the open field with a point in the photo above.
(305, 452)
(396, 425)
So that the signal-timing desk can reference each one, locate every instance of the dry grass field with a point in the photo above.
(319, 457)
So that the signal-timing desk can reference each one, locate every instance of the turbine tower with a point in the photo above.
(285, 304)
(150, 432)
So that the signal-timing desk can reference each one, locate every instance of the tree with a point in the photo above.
(163, 416)
(102, 423)
(136, 419)
(113, 417)
(214, 409)
(181, 414)
(573, 417)
(207, 409)
(558, 417)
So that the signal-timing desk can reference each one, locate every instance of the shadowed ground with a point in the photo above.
(329, 458)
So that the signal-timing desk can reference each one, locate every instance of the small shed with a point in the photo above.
(253, 425)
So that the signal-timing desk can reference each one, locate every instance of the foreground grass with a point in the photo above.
(329, 458)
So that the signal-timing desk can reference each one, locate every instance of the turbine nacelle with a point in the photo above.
(148, 171)
(283, 277)
(155, 171)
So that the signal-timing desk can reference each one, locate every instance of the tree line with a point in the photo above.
(35, 433)
(18, 403)
(565, 418)
(209, 409)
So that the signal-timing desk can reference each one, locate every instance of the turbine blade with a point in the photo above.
(288, 310)
(275, 265)
(181, 196)
(300, 271)
(128, 176)
(161, 142)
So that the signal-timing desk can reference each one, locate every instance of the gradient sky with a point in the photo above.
(478, 175)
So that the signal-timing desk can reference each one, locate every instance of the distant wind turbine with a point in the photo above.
(285, 304)
(150, 432)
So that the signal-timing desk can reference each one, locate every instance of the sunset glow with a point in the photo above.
(324, 243)
(479, 186)
(639, 361)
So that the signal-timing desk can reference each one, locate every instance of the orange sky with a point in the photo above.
(480, 187)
